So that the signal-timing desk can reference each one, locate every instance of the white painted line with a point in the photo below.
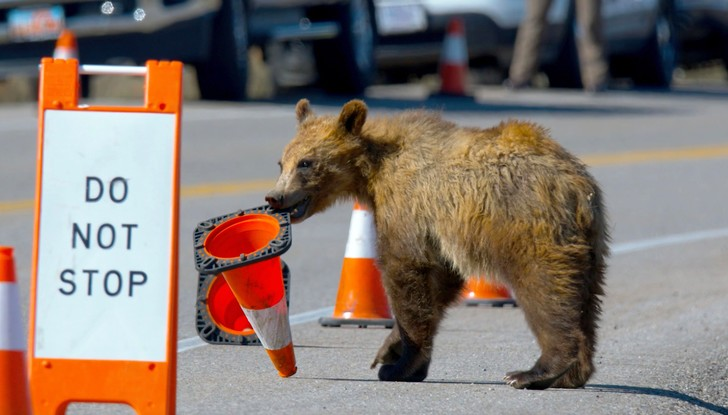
(677, 239)
(300, 318)
(189, 344)
(309, 316)
(617, 249)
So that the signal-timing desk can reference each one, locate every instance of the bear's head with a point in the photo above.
(322, 162)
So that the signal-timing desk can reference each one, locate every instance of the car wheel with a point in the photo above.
(656, 63)
(346, 63)
(724, 52)
(224, 75)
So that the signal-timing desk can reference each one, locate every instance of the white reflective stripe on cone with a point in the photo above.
(362, 240)
(11, 332)
(271, 325)
(63, 52)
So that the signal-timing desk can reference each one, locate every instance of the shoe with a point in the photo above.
(513, 86)
(595, 89)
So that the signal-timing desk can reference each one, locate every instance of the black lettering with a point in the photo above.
(90, 273)
(86, 240)
(118, 283)
(69, 281)
(99, 190)
(99, 239)
(133, 282)
(128, 227)
(113, 186)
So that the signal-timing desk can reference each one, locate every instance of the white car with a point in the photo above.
(639, 34)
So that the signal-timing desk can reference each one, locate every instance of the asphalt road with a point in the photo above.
(662, 159)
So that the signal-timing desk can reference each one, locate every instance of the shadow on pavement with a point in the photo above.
(631, 390)
(665, 393)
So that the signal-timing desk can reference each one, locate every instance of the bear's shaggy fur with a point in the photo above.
(450, 203)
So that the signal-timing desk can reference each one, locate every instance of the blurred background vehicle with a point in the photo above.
(703, 31)
(212, 35)
(645, 39)
(412, 31)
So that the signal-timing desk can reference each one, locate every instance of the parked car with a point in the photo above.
(212, 35)
(640, 36)
(412, 31)
(703, 31)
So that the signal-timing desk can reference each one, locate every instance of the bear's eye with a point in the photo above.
(305, 164)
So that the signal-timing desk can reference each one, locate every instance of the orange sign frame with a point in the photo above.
(148, 387)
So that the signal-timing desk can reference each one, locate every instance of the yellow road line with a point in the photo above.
(15, 206)
(192, 191)
(594, 160)
(218, 189)
(647, 156)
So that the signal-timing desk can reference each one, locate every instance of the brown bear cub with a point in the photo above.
(450, 203)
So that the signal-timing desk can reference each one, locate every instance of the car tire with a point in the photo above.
(345, 64)
(654, 66)
(224, 76)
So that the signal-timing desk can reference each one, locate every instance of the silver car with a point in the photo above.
(639, 34)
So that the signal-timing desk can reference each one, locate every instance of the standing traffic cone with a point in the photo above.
(14, 396)
(454, 59)
(245, 248)
(479, 291)
(361, 300)
(66, 46)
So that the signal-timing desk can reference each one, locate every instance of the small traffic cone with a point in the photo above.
(14, 395)
(361, 300)
(246, 247)
(454, 60)
(479, 291)
(66, 46)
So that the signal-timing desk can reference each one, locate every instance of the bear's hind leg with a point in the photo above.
(419, 297)
(555, 322)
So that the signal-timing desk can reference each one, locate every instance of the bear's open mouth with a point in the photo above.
(299, 209)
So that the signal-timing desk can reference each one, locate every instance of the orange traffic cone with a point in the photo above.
(454, 60)
(245, 248)
(14, 396)
(361, 300)
(479, 291)
(66, 46)
(220, 319)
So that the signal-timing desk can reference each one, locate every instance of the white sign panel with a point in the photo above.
(105, 236)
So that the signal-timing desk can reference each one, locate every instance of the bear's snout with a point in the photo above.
(274, 199)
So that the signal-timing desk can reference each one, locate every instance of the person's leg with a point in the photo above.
(594, 68)
(528, 40)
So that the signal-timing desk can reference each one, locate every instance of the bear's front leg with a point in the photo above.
(419, 296)
(402, 361)
(391, 349)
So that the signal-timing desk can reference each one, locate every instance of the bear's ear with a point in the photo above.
(352, 116)
(303, 110)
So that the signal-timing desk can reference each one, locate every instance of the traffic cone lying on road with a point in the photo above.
(454, 60)
(361, 300)
(244, 245)
(66, 46)
(479, 291)
(14, 396)
(220, 319)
